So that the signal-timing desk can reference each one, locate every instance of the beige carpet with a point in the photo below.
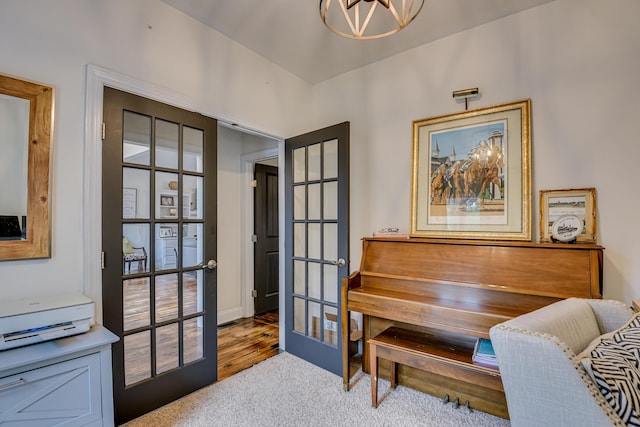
(288, 391)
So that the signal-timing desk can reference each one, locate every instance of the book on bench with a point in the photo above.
(484, 355)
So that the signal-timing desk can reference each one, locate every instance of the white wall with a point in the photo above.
(229, 225)
(232, 268)
(53, 41)
(578, 61)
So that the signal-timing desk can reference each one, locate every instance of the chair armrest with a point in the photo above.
(610, 314)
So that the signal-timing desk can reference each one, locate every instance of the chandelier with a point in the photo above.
(368, 19)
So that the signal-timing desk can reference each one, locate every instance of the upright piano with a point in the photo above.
(459, 289)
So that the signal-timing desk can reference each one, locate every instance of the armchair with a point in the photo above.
(540, 357)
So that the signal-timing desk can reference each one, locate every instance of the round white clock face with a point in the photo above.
(567, 228)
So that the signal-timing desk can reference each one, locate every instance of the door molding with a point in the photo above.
(248, 162)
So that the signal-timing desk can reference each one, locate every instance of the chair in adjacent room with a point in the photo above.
(131, 254)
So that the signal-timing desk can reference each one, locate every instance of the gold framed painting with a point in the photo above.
(580, 202)
(471, 174)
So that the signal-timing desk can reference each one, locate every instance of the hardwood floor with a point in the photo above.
(245, 342)
(249, 341)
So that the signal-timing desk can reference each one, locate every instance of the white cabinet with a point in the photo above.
(166, 253)
(60, 382)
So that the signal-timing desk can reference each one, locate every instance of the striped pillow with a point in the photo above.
(614, 365)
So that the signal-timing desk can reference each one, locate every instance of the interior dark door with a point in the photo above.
(266, 253)
(317, 243)
(159, 244)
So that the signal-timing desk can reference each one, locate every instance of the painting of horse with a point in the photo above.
(439, 186)
(471, 174)
(481, 170)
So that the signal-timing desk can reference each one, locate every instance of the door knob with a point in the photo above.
(339, 263)
(211, 265)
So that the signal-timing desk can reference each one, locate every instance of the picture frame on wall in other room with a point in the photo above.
(129, 202)
(166, 231)
(471, 174)
(166, 200)
(580, 202)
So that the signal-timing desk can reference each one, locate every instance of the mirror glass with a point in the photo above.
(14, 144)
(26, 120)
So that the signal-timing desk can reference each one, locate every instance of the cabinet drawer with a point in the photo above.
(170, 252)
(67, 392)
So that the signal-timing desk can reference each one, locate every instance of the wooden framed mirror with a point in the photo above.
(26, 131)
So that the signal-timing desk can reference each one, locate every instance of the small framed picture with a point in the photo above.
(166, 232)
(580, 202)
(166, 201)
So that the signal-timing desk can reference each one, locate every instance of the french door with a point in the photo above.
(159, 248)
(316, 253)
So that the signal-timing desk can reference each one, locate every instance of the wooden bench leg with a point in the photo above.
(393, 368)
(373, 367)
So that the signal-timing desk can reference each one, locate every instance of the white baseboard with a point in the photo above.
(229, 314)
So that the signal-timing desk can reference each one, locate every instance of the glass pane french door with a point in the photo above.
(316, 174)
(159, 220)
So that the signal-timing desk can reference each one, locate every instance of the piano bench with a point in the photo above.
(387, 346)
(425, 352)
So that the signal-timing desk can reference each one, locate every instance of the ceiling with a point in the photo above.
(291, 34)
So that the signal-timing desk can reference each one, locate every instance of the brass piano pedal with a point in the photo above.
(445, 400)
(467, 406)
(456, 403)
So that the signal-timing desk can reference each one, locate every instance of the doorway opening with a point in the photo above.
(239, 153)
